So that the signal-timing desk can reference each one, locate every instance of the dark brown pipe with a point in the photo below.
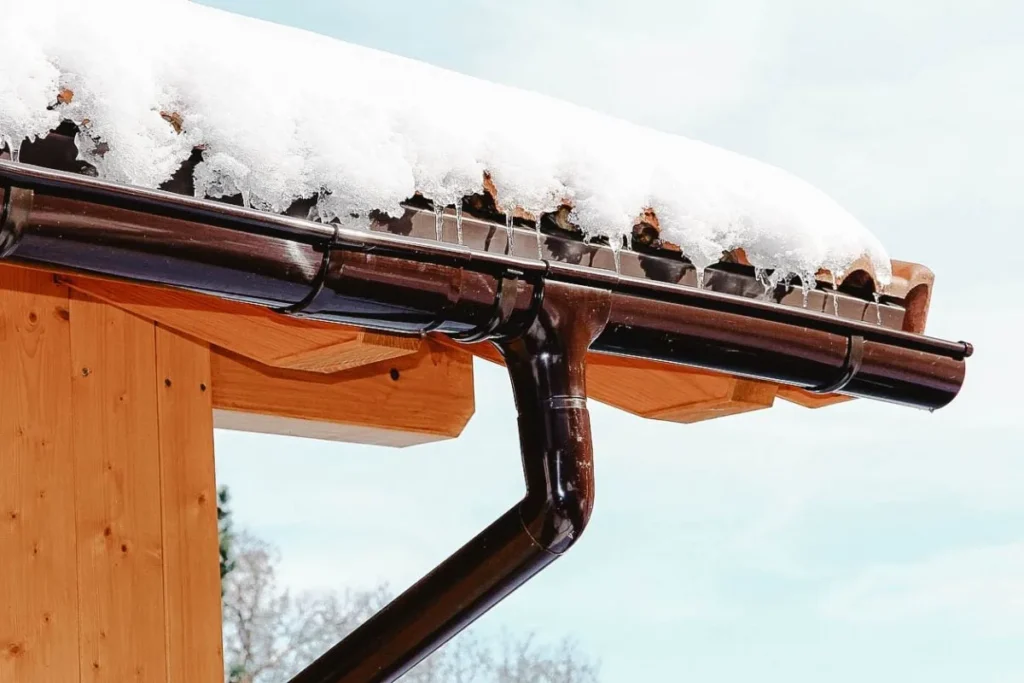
(546, 366)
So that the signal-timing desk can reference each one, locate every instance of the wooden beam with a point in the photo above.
(661, 391)
(188, 497)
(674, 393)
(117, 466)
(433, 399)
(423, 397)
(38, 576)
(248, 330)
(809, 399)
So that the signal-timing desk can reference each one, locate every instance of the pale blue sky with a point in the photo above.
(860, 542)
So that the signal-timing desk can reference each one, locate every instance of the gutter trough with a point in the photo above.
(544, 312)
(407, 285)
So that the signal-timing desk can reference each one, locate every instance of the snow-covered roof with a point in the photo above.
(282, 114)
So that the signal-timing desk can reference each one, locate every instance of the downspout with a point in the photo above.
(546, 365)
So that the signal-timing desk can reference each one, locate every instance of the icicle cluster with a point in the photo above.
(282, 114)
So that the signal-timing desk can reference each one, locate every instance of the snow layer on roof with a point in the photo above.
(282, 114)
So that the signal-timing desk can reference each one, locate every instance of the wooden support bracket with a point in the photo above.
(674, 393)
(809, 399)
(426, 396)
(279, 375)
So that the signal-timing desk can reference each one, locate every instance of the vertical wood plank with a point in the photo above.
(189, 499)
(38, 583)
(117, 466)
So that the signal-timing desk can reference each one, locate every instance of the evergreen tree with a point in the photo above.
(227, 561)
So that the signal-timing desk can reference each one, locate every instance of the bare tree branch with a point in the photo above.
(269, 635)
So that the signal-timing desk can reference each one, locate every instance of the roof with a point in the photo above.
(279, 115)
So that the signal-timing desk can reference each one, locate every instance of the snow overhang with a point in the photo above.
(380, 192)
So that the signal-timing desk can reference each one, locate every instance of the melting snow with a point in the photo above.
(282, 114)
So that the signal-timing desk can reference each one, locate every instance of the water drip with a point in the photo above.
(540, 237)
(807, 283)
(510, 234)
(835, 293)
(458, 220)
(439, 220)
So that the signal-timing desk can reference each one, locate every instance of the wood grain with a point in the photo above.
(673, 393)
(189, 502)
(38, 583)
(424, 397)
(117, 467)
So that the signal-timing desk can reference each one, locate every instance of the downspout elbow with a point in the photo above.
(560, 483)
(547, 366)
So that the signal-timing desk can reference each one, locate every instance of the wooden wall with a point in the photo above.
(108, 525)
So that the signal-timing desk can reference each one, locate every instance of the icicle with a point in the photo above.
(540, 238)
(700, 277)
(510, 234)
(762, 276)
(15, 148)
(458, 220)
(246, 196)
(808, 283)
(439, 220)
(878, 306)
(616, 247)
(835, 293)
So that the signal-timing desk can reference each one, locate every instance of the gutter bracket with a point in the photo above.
(510, 284)
(851, 366)
(547, 366)
(298, 308)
